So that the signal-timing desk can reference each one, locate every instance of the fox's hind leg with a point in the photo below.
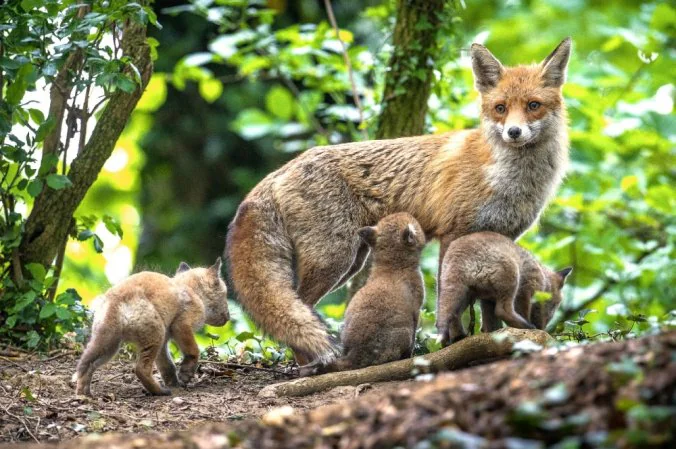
(323, 263)
(100, 349)
(166, 366)
(149, 342)
(489, 321)
(504, 309)
(450, 307)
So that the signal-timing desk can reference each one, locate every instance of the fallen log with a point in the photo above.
(467, 352)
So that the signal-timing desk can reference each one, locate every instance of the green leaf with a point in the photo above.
(253, 123)
(63, 314)
(112, 225)
(210, 89)
(37, 271)
(27, 394)
(279, 102)
(243, 336)
(17, 89)
(84, 235)
(32, 340)
(34, 187)
(58, 182)
(44, 129)
(125, 84)
(36, 115)
(47, 310)
(98, 244)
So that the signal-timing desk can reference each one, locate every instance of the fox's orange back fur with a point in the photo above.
(294, 237)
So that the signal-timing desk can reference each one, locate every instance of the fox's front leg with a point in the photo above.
(185, 339)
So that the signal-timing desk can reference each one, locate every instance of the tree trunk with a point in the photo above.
(408, 82)
(621, 392)
(49, 222)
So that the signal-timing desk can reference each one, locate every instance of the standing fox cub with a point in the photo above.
(382, 317)
(148, 309)
(504, 276)
(294, 238)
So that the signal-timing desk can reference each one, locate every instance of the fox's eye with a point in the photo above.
(533, 105)
(500, 108)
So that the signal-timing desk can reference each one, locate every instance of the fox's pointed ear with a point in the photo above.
(487, 69)
(368, 234)
(409, 234)
(217, 267)
(555, 66)
(182, 267)
(563, 274)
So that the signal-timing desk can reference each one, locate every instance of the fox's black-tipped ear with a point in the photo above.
(563, 274)
(555, 66)
(217, 267)
(486, 67)
(182, 267)
(409, 234)
(368, 234)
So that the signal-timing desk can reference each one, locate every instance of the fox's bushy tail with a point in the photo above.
(260, 256)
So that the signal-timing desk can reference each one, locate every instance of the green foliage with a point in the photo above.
(43, 44)
(285, 86)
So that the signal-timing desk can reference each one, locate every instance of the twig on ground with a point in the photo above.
(243, 366)
(12, 362)
(23, 423)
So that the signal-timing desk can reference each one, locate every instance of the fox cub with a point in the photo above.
(382, 317)
(504, 276)
(148, 309)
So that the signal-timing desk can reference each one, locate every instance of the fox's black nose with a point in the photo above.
(514, 132)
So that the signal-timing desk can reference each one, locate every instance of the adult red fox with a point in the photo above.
(294, 238)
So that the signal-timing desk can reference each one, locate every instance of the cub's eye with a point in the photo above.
(533, 105)
(500, 108)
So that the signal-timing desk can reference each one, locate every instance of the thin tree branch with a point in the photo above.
(350, 72)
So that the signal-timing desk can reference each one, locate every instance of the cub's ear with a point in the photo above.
(486, 67)
(182, 267)
(216, 268)
(408, 236)
(555, 66)
(564, 273)
(368, 234)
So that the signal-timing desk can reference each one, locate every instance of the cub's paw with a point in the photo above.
(163, 391)
(184, 379)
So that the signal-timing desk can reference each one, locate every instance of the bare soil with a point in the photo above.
(37, 402)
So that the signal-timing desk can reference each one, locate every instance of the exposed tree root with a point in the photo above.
(465, 353)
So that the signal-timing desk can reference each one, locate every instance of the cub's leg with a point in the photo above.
(450, 307)
(100, 349)
(166, 366)
(522, 302)
(489, 321)
(149, 347)
(182, 334)
(504, 309)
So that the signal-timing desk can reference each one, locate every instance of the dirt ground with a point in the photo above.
(38, 404)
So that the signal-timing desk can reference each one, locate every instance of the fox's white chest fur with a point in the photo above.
(522, 180)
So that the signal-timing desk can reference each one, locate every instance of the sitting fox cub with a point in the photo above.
(382, 317)
(148, 309)
(491, 267)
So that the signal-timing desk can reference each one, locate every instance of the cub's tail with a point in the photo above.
(260, 255)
